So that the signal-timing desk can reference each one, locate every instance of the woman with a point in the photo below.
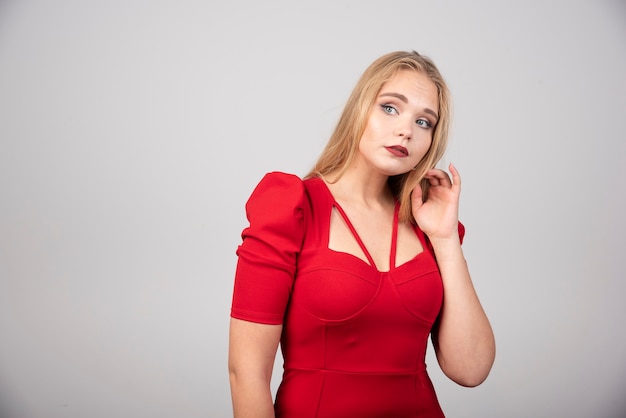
(352, 268)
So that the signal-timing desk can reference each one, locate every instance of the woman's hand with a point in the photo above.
(438, 216)
(463, 340)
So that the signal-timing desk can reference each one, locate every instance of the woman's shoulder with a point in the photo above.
(288, 182)
(280, 177)
(277, 182)
(276, 192)
(280, 188)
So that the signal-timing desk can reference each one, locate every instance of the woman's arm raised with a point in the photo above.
(463, 339)
(251, 355)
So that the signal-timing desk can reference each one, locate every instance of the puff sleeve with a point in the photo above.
(268, 253)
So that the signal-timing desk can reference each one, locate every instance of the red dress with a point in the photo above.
(354, 338)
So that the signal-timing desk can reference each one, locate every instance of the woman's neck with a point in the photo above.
(362, 187)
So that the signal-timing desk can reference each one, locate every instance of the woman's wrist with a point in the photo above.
(447, 248)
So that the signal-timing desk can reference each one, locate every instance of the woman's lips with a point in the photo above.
(398, 151)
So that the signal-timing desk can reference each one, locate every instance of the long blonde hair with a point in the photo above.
(343, 143)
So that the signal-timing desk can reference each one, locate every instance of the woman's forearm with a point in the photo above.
(251, 354)
(251, 397)
(464, 340)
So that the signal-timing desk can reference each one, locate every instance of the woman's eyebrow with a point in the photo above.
(405, 100)
(397, 96)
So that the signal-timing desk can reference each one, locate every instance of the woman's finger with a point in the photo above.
(456, 177)
(438, 177)
(416, 196)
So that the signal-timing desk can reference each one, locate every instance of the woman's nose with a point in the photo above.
(403, 129)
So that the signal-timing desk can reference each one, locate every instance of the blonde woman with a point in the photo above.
(352, 268)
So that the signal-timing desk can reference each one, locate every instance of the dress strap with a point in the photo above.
(356, 235)
(394, 238)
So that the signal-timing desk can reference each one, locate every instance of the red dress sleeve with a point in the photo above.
(267, 256)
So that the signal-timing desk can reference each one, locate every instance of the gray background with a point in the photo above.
(132, 132)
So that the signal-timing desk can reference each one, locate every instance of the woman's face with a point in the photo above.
(400, 124)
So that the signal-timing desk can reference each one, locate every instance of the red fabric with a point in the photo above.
(354, 338)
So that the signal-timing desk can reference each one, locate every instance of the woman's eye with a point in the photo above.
(423, 123)
(389, 109)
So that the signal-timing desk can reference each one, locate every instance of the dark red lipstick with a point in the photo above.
(398, 151)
